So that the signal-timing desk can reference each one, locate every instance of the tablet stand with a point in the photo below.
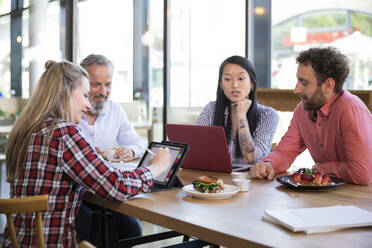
(175, 185)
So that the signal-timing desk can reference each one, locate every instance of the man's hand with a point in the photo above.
(262, 170)
(316, 166)
(124, 153)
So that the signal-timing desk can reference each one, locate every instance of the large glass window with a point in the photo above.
(203, 34)
(106, 27)
(26, 3)
(46, 47)
(349, 30)
(4, 7)
(155, 22)
(5, 56)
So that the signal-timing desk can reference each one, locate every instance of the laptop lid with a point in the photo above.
(207, 147)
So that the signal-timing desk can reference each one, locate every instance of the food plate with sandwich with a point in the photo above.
(206, 187)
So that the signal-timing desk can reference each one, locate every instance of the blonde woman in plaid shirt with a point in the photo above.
(47, 154)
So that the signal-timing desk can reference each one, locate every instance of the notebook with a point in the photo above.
(208, 148)
(321, 219)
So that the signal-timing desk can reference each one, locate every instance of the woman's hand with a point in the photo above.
(241, 107)
(161, 162)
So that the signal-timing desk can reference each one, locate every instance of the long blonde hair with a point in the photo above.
(52, 95)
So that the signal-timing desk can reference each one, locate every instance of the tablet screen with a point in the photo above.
(177, 151)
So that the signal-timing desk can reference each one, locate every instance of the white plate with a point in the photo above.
(229, 191)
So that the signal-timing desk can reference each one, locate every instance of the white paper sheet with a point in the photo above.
(323, 219)
(307, 231)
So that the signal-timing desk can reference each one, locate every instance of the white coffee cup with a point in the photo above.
(242, 184)
(239, 175)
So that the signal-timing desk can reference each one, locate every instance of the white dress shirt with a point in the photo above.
(112, 128)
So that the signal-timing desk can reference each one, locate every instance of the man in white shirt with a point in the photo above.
(107, 126)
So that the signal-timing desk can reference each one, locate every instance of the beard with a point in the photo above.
(315, 101)
(97, 107)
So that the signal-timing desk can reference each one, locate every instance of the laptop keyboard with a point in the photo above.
(241, 167)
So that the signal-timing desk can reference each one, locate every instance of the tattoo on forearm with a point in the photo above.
(242, 123)
(246, 143)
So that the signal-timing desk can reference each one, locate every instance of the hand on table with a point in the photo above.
(124, 153)
(316, 166)
(262, 170)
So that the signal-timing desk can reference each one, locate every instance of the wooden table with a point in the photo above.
(236, 222)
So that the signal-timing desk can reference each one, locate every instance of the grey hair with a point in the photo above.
(95, 59)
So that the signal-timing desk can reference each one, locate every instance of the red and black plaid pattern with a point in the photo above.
(63, 165)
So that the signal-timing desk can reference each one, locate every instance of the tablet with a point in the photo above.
(178, 152)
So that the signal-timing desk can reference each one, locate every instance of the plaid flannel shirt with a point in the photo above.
(63, 165)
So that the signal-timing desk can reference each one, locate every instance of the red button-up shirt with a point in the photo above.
(63, 165)
(340, 140)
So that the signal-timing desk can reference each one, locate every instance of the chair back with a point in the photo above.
(86, 244)
(25, 205)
